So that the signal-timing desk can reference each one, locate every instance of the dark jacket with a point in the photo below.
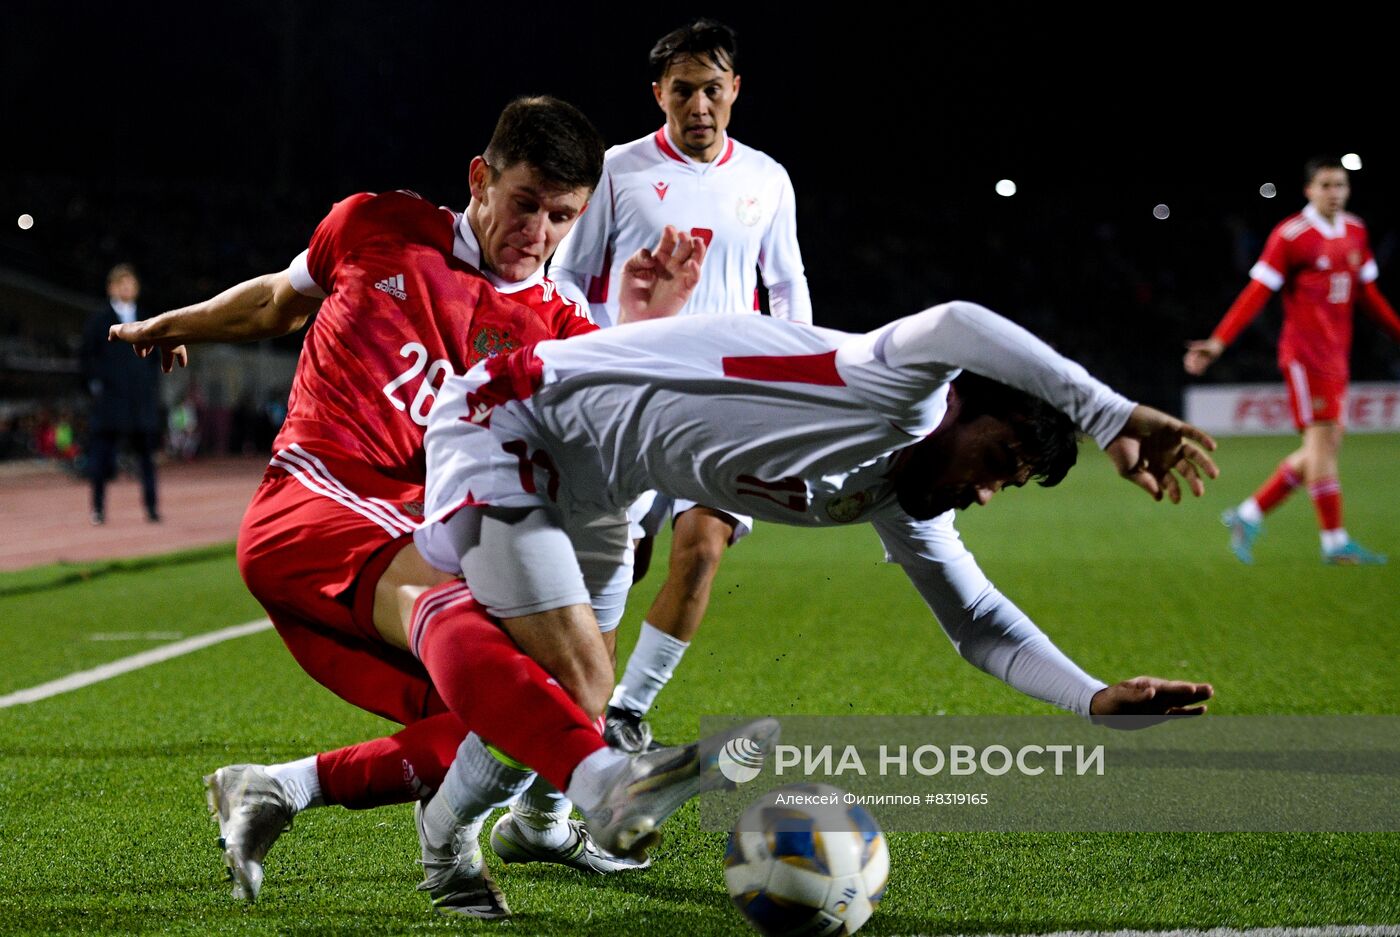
(125, 388)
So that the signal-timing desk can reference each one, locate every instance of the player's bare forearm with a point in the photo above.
(263, 307)
(1158, 452)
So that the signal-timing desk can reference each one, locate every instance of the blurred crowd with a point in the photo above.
(192, 428)
(1092, 271)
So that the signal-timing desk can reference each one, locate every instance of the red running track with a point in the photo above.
(44, 512)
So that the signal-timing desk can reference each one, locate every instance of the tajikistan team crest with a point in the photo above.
(847, 508)
(749, 211)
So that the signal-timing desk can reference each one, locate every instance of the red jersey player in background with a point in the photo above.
(408, 295)
(1321, 260)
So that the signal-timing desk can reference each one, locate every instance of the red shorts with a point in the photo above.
(311, 551)
(1314, 398)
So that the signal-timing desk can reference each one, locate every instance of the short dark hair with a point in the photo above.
(1318, 163)
(1047, 440)
(551, 135)
(705, 40)
(119, 271)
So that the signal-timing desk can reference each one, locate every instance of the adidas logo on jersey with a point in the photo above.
(393, 286)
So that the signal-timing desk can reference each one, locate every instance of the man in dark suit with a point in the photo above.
(125, 395)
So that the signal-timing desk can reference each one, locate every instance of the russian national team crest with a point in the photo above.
(748, 211)
(847, 508)
(491, 342)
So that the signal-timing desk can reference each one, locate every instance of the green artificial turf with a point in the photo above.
(103, 827)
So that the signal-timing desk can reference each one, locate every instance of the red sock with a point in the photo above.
(407, 766)
(1279, 486)
(497, 690)
(1327, 498)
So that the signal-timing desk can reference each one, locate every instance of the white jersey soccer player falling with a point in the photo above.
(741, 204)
(791, 423)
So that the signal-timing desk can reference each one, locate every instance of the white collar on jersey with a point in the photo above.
(668, 148)
(1333, 230)
(466, 248)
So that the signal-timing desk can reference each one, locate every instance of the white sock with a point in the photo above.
(476, 783)
(300, 782)
(1334, 539)
(1249, 512)
(592, 776)
(542, 815)
(650, 667)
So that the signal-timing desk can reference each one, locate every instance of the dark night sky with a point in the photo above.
(894, 125)
(931, 104)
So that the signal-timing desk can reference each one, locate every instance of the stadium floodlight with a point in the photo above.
(1161, 212)
(1351, 161)
(26, 221)
(1268, 190)
(1006, 188)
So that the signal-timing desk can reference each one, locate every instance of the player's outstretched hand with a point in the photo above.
(1123, 705)
(1157, 452)
(657, 283)
(1201, 355)
(140, 336)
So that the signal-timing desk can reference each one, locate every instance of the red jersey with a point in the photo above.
(405, 308)
(1320, 267)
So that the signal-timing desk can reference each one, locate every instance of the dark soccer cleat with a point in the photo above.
(626, 731)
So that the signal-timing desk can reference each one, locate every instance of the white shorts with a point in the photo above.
(491, 516)
(646, 515)
(521, 561)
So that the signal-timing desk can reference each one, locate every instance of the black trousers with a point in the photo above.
(102, 452)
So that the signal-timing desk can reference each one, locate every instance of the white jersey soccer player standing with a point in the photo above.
(802, 426)
(740, 202)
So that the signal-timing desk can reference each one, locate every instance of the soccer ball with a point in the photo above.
(803, 861)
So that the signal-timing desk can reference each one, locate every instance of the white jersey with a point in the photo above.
(789, 423)
(741, 204)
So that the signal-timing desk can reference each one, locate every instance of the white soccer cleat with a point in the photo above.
(252, 811)
(578, 852)
(455, 876)
(648, 787)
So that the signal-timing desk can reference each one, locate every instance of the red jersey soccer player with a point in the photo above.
(1321, 260)
(412, 294)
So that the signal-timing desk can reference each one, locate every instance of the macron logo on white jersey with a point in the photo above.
(393, 286)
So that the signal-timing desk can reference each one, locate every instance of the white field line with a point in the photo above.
(116, 668)
(1332, 930)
